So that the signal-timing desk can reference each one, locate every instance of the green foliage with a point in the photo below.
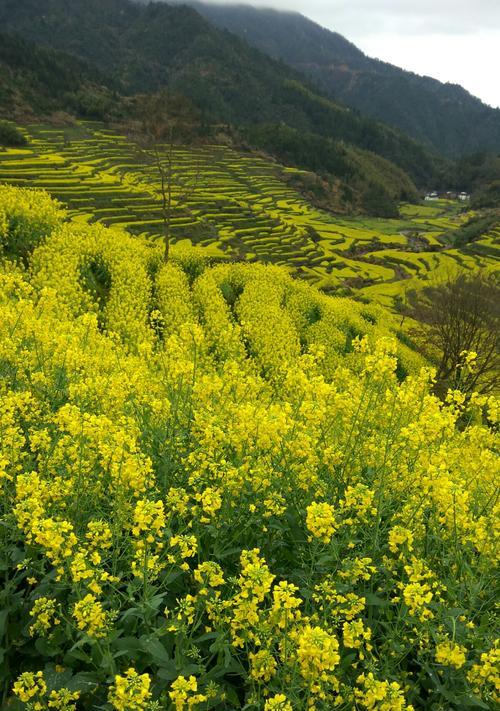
(370, 183)
(487, 196)
(377, 202)
(379, 170)
(301, 148)
(10, 135)
(480, 175)
(40, 80)
(454, 317)
(473, 229)
(95, 278)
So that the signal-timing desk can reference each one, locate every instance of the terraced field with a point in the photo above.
(239, 206)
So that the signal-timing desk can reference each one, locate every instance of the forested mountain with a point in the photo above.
(146, 47)
(37, 81)
(444, 117)
(480, 174)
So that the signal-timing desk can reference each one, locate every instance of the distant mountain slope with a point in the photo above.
(444, 117)
(39, 81)
(147, 47)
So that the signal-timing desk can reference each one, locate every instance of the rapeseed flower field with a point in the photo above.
(223, 489)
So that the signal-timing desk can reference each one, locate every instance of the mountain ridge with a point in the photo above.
(144, 48)
(438, 115)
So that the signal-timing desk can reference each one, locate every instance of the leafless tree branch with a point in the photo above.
(460, 313)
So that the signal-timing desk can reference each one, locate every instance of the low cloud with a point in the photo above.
(358, 17)
(452, 40)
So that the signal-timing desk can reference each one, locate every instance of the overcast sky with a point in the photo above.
(451, 40)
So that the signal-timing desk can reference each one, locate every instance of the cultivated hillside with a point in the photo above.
(222, 489)
(444, 117)
(247, 207)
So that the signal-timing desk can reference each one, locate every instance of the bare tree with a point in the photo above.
(455, 317)
(165, 122)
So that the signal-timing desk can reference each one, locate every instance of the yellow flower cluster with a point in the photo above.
(485, 675)
(357, 636)
(279, 702)
(130, 692)
(254, 584)
(262, 665)
(29, 686)
(90, 617)
(184, 694)
(63, 699)
(31, 689)
(27, 217)
(450, 654)
(317, 653)
(321, 521)
(380, 695)
(45, 613)
(209, 574)
(285, 610)
(400, 537)
(148, 524)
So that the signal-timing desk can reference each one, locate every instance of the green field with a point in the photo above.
(241, 207)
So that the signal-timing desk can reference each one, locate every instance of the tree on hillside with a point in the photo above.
(457, 318)
(10, 135)
(166, 121)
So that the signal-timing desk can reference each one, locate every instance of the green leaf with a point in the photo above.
(78, 654)
(3, 622)
(375, 600)
(155, 650)
(190, 669)
(155, 602)
(218, 553)
(84, 681)
(45, 648)
(347, 661)
(127, 644)
(474, 702)
(207, 636)
(167, 672)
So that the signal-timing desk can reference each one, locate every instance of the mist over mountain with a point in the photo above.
(444, 117)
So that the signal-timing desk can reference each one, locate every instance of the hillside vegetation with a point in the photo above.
(222, 489)
(480, 173)
(36, 82)
(444, 117)
(11, 135)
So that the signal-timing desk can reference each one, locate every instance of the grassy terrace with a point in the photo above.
(241, 208)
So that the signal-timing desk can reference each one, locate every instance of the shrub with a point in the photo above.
(458, 325)
(10, 135)
(27, 217)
